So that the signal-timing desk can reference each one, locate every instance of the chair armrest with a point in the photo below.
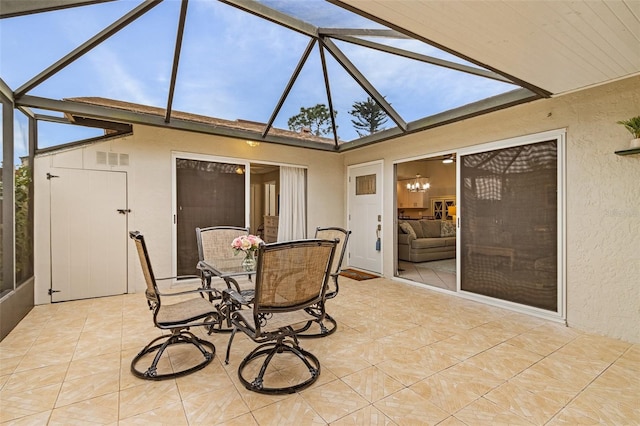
(178, 276)
(237, 297)
(198, 290)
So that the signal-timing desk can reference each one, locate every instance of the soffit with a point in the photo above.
(559, 46)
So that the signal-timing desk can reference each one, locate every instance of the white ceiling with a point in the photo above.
(559, 46)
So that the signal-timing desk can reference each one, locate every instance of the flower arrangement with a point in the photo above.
(246, 244)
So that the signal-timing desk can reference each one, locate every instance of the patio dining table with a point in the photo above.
(229, 270)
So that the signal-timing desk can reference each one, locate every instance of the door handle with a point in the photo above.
(124, 211)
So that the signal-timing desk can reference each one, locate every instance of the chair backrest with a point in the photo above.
(291, 275)
(145, 263)
(333, 233)
(215, 242)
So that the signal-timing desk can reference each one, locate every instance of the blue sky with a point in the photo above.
(233, 65)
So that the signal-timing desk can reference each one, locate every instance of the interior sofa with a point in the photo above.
(424, 240)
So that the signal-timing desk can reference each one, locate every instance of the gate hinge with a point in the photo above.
(51, 291)
(49, 176)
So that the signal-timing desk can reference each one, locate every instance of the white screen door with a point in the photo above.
(365, 217)
(88, 234)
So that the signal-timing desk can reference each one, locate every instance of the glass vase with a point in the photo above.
(249, 262)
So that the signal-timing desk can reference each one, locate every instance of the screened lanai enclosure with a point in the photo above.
(331, 76)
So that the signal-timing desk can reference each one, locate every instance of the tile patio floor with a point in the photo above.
(402, 355)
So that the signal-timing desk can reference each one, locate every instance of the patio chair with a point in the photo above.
(291, 277)
(328, 233)
(214, 242)
(190, 310)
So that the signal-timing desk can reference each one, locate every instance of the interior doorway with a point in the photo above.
(215, 191)
(426, 204)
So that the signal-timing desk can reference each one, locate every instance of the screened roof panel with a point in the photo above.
(417, 89)
(320, 14)
(29, 44)
(242, 61)
(234, 65)
(133, 65)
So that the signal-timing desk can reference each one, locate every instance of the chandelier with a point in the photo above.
(419, 185)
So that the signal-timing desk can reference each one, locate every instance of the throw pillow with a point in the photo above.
(447, 229)
(407, 229)
(417, 228)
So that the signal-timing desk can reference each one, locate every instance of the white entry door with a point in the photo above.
(88, 233)
(365, 217)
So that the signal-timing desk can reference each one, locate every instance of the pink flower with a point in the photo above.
(246, 243)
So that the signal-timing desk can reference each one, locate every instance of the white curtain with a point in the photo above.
(293, 211)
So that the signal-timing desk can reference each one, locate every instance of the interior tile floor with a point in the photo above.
(438, 273)
(402, 355)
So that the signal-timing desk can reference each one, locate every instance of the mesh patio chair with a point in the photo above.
(328, 233)
(190, 310)
(214, 244)
(291, 277)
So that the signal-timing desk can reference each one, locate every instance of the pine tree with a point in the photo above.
(369, 117)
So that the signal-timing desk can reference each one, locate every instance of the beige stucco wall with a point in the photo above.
(602, 194)
(149, 182)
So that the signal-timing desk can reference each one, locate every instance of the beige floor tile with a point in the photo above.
(211, 378)
(483, 412)
(147, 396)
(101, 410)
(44, 357)
(340, 365)
(8, 365)
(465, 363)
(368, 415)
(505, 361)
(334, 400)
(589, 409)
(36, 378)
(406, 407)
(537, 407)
(214, 407)
(574, 373)
(293, 410)
(170, 414)
(414, 338)
(630, 359)
(105, 363)
(456, 387)
(411, 367)
(372, 383)
(37, 419)
(88, 387)
(463, 345)
(595, 348)
(20, 404)
(451, 421)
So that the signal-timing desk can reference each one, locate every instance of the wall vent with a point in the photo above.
(113, 158)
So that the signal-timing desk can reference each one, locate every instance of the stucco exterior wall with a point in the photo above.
(602, 194)
(149, 186)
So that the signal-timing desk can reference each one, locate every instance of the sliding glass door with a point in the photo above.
(208, 193)
(509, 224)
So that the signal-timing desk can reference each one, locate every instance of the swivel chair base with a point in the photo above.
(269, 350)
(177, 337)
